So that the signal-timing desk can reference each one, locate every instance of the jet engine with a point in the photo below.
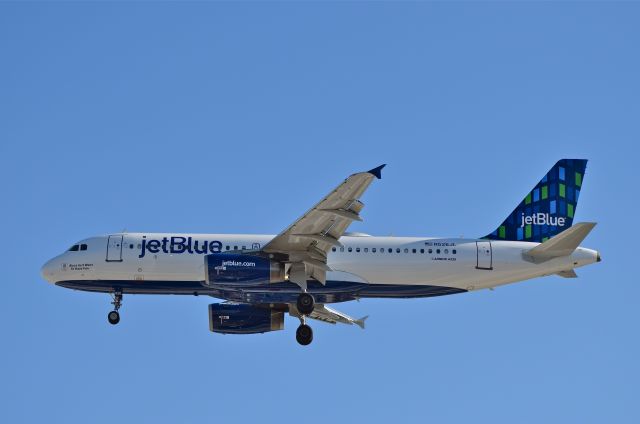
(236, 318)
(230, 269)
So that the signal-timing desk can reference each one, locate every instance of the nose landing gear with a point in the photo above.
(305, 305)
(114, 316)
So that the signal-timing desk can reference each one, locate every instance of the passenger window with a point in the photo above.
(333, 249)
(366, 249)
(406, 250)
(228, 247)
(358, 249)
(342, 249)
(83, 247)
(235, 247)
(350, 249)
(131, 246)
(438, 251)
(373, 249)
(421, 250)
(430, 250)
(390, 250)
(74, 248)
(397, 250)
(413, 250)
(454, 251)
(446, 251)
(244, 247)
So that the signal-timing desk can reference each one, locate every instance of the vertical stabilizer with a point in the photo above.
(549, 208)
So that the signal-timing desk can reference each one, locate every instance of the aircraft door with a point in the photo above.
(114, 249)
(484, 255)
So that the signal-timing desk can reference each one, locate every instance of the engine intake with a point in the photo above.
(236, 318)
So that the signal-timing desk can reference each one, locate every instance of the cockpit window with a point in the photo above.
(74, 248)
(83, 246)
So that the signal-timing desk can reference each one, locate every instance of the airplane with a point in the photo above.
(314, 262)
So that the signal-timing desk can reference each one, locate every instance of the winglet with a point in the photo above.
(360, 322)
(377, 171)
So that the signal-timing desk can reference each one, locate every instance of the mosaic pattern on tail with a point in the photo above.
(549, 208)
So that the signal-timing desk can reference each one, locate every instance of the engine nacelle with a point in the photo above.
(230, 269)
(235, 318)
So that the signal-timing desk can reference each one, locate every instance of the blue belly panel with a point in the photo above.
(284, 292)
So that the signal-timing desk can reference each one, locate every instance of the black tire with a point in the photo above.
(304, 334)
(113, 317)
(305, 303)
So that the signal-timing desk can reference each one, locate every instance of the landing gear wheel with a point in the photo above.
(113, 317)
(304, 334)
(305, 303)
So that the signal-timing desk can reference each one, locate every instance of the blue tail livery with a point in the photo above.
(549, 208)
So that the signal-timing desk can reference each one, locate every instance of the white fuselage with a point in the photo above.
(467, 264)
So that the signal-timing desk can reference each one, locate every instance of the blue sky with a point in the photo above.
(222, 117)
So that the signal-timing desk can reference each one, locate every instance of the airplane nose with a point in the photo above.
(47, 271)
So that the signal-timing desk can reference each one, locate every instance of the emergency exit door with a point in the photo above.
(114, 249)
(485, 255)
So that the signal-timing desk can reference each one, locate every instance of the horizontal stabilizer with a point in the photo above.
(562, 244)
(567, 274)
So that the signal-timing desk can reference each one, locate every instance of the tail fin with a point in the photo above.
(549, 208)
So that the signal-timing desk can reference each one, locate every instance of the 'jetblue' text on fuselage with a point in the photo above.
(179, 245)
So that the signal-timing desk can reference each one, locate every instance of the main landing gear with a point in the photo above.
(305, 305)
(114, 316)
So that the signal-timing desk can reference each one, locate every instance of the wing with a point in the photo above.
(304, 245)
(326, 314)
